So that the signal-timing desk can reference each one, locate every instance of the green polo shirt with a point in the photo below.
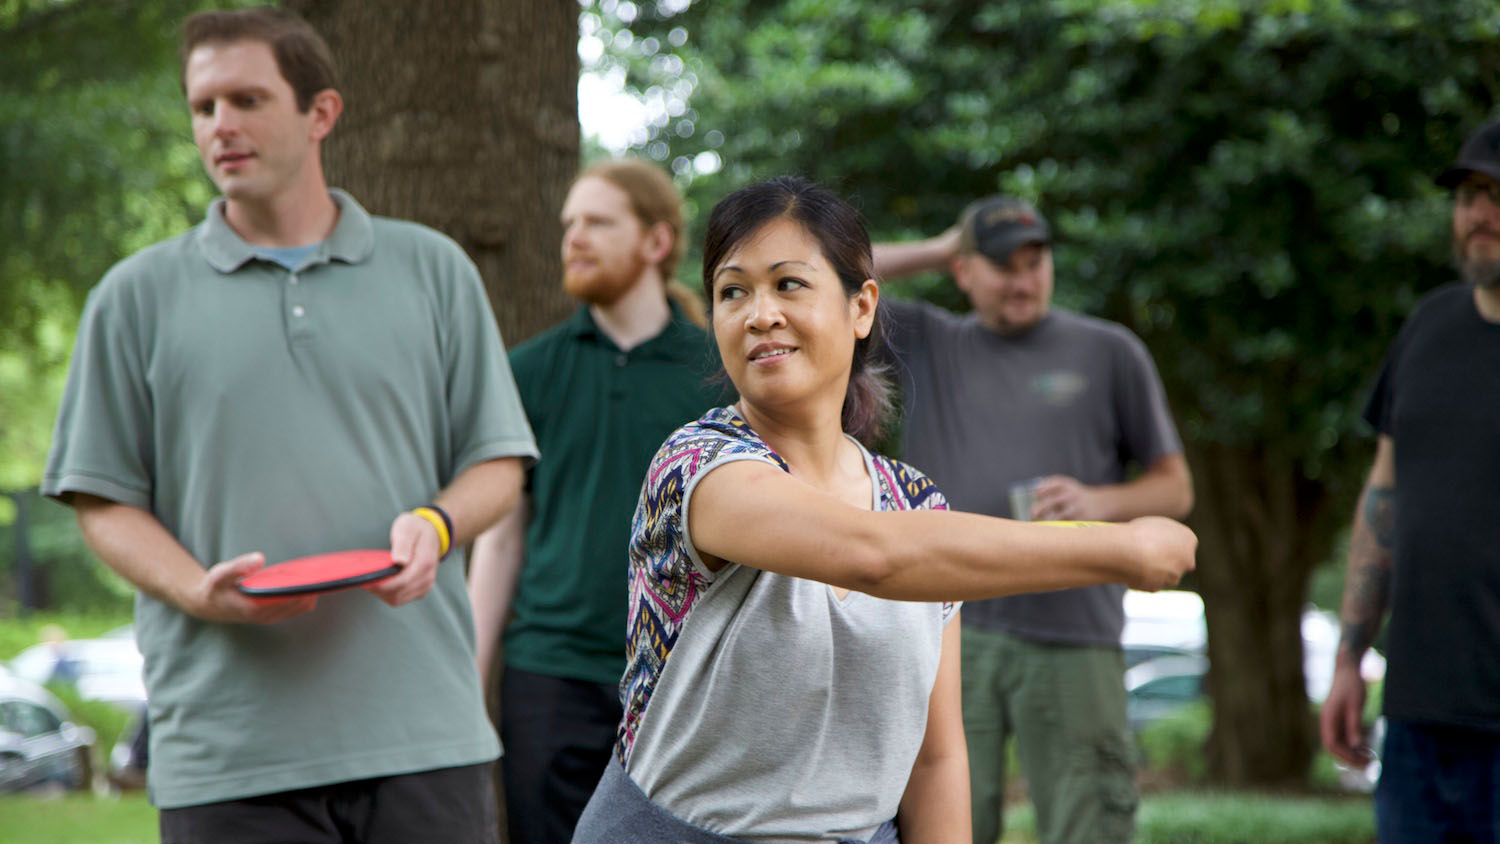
(254, 408)
(599, 414)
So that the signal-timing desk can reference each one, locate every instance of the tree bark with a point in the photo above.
(463, 115)
(1262, 527)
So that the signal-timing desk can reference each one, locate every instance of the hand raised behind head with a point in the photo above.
(1164, 552)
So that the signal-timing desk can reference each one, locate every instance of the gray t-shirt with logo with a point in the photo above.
(1074, 396)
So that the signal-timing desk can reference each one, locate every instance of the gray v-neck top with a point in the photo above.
(761, 706)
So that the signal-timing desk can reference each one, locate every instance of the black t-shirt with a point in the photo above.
(1438, 398)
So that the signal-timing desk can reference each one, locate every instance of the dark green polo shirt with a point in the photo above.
(599, 415)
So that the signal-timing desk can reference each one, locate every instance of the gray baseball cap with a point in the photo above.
(995, 226)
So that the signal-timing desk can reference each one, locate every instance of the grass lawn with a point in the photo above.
(1205, 817)
(1181, 817)
(77, 819)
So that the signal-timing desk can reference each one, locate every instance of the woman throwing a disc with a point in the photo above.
(805, 589)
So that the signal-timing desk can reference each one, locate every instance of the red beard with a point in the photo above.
(603, 285)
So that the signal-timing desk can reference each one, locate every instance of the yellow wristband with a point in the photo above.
(438, 523)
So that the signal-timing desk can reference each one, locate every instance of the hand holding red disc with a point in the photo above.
(320, 573)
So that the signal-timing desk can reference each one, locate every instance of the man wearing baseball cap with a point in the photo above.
(1064, 414)
(1427, 548)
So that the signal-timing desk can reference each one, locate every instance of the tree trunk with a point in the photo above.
(463, 115)
(1262, 528)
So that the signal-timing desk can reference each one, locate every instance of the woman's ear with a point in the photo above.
(862, 306)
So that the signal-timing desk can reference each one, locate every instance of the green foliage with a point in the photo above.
(1173, 747)
(31, 383)
(65, 573)
(78, 819)
(18, 634)
(96, 161)
(1175, 744)
(1245, 183)
(106, 720)
(1325, 587)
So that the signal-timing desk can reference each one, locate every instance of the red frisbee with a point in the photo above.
(319, 573)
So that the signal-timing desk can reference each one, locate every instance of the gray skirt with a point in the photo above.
(620, 813)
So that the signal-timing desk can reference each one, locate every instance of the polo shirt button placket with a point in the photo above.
(299, 327)
(621, 359)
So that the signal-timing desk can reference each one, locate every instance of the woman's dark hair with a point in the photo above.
(840, 232)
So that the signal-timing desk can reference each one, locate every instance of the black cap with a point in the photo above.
(996, 225)
(1480, 154)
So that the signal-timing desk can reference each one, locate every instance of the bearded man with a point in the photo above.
(601, 390)
(1427, 547)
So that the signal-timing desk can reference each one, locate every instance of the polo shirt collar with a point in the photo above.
(581, 323)
(676, 332)
(352, 239)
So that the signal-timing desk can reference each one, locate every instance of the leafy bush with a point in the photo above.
(17, 634)
(64, 574)
(107, 720)
(1175, 744)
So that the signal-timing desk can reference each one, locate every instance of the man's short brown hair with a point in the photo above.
(301, 54)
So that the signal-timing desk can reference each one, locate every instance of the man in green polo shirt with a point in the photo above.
(602, 391)
(291, 377)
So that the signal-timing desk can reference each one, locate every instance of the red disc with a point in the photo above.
(320, 573)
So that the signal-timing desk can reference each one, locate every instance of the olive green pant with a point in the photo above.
(1065, 706)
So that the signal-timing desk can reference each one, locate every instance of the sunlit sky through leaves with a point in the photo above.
(611, 115)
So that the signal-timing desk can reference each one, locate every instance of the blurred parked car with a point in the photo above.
(1165, 623)
(39, 743)
(1158, 687)
(1171, 624)
(107, 668)
(1166, 645)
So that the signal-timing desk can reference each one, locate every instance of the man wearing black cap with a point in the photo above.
(1428, 548)
(1027, 411)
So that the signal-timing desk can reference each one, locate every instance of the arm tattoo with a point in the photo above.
(1380, 515)
(1367, 592)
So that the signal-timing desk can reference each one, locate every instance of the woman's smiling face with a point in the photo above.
(784, 325)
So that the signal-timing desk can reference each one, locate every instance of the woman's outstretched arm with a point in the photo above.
(754, 514)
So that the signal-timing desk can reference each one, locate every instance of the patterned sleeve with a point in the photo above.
(666, 576)
(659, 541)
